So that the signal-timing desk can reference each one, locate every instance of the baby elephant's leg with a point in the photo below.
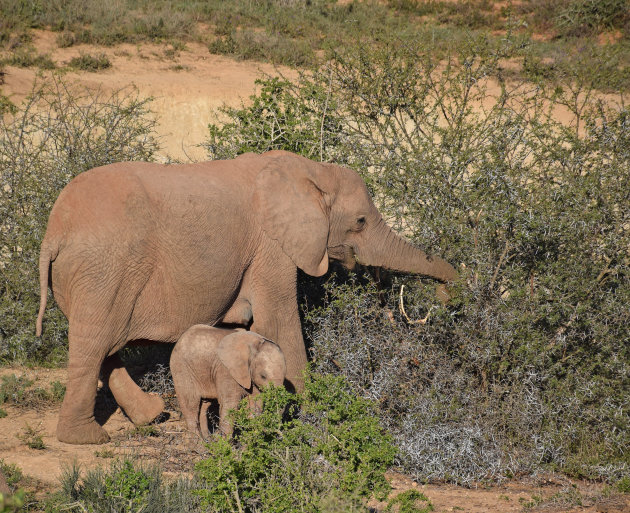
(225, 423)
(203, 419)
(189, 404)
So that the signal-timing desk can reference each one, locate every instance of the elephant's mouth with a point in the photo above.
(343, 254)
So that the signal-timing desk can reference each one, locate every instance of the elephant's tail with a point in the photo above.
(47, 254)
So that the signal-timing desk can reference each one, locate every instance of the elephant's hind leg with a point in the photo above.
(139, 406)
(76, 420)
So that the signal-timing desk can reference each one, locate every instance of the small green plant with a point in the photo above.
(623, 485)
(3, 413)
(297, 452)
(90, 63)
(104, 453)
(411, 501)
(147, 430)
(129, 484)
(32, 437)
(535, 500)
(13, 388)
(12, 473)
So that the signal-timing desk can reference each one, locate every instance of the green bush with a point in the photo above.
(282, 116)
(125, 487)
(299, 452)
(525, 368)
(58, 132)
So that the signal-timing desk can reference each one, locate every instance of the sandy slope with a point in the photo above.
(187, 87)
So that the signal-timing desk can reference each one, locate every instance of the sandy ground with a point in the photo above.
(187, 87)
(176, 451)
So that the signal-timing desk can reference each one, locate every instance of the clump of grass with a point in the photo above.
(32, 437)
(104, 453)
(253, 45)
(126, 487)
(13, 388)
(12, 473)
(145, 431)
(586, 17)
(27, 57)
(18, 391)
(410, 501)
(90, 63)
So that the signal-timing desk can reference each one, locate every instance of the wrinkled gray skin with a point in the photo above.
(222, 364)
(142, 251)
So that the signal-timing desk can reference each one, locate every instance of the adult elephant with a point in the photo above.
(143, 251)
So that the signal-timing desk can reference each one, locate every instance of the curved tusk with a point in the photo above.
(402, 310)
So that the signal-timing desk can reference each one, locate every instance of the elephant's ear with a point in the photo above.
(290, 197)
(234, 352)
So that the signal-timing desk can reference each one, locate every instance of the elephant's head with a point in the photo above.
(321, 211)
(250, 358)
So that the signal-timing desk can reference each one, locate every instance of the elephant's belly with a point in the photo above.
(167, 307)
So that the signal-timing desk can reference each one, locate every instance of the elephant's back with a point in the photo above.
(101, 199)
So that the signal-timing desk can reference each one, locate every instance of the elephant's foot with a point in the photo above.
(146, 411)
(81, 433)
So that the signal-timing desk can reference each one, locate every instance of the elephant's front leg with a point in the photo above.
(275, 312)
(139, 406)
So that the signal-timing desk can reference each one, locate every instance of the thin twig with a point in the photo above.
(501, 258)
(321, 128)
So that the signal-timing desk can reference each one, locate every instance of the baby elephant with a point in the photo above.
(222, 364)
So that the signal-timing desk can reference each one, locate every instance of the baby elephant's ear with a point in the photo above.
(234, 351)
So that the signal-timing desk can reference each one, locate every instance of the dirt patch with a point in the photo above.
(165, 443)
(168, 444)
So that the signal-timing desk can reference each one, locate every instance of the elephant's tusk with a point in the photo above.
(402, 310)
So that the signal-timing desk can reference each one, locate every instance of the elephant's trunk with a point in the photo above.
(385, 248)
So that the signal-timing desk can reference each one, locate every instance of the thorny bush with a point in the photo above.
(527, 366)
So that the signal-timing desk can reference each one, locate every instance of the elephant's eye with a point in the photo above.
(263, 376)
(361, 222)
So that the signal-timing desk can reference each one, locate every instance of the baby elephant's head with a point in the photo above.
(267, 364)
(251, 358)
